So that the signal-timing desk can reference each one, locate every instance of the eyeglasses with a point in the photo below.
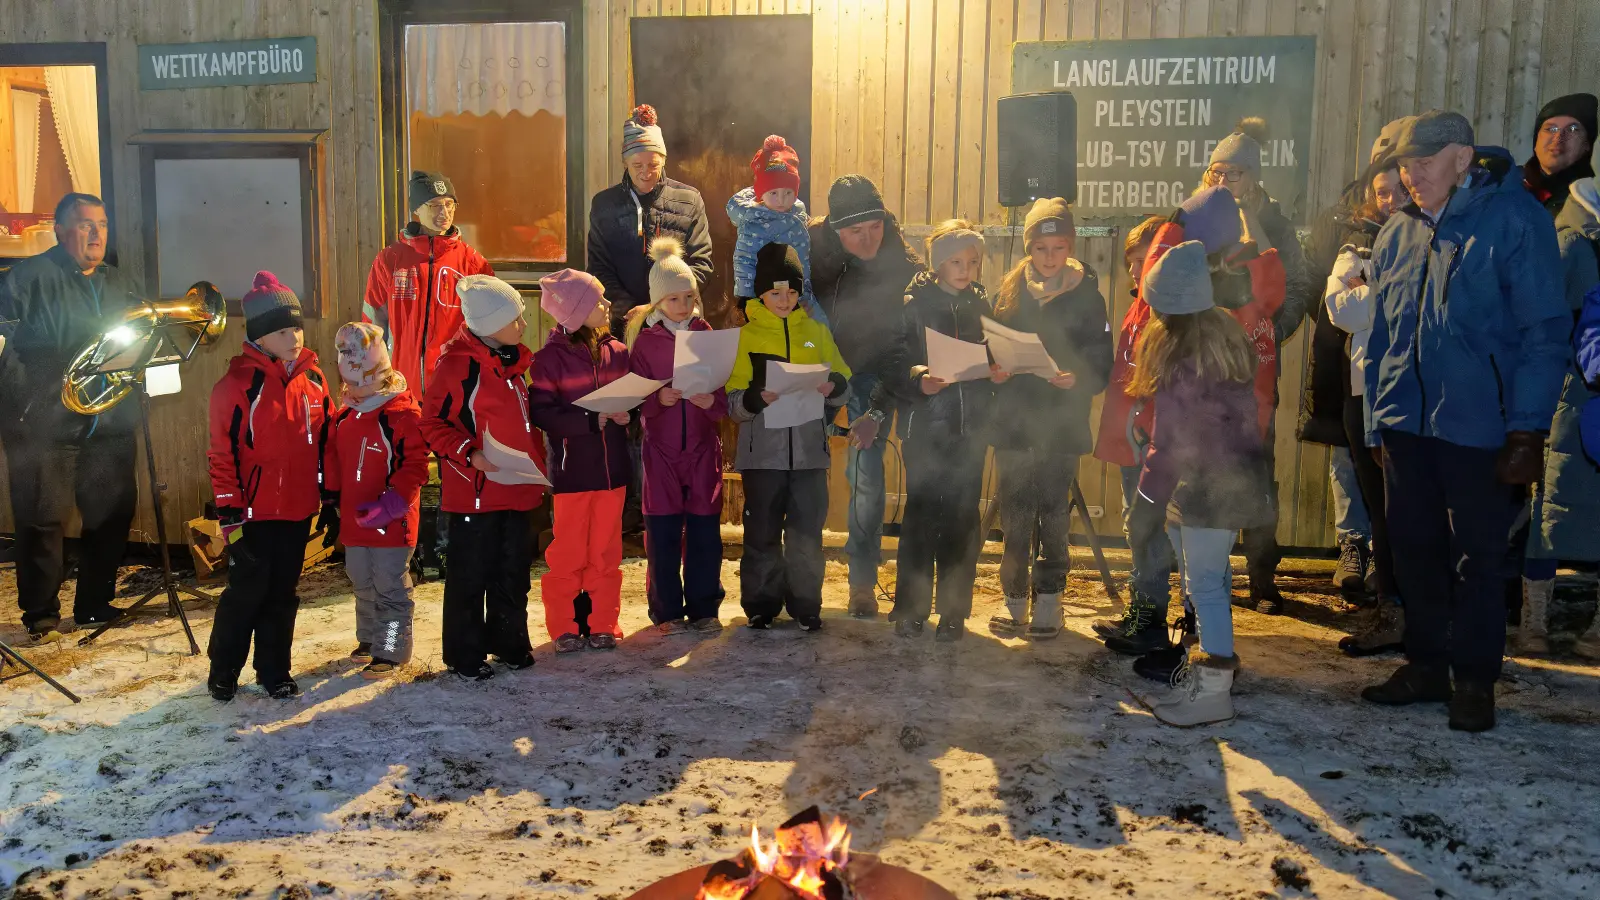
(1572, 130)
(1228, 175)
(445, 205)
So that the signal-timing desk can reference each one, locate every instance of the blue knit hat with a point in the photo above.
(1212, 218)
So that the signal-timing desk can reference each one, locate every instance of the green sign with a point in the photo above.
(1151, 111)
(225, 63)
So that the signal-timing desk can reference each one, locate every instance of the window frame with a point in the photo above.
(79, 53)
(393, 17)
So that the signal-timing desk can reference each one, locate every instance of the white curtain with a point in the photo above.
(25, 119)
(486, 69)
(76, 108)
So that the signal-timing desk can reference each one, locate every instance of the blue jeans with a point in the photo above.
(1350, 517)
(864, 472)
(1151, 570)
(1208, 580)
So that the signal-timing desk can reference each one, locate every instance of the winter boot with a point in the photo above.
(1472, 707)
(1161, 665)
(1144, 632)
(282, 690)
(363, 650)
(863, 601)
(1123, 624)
(1384, 631)
(1533, 630)
(950, 630)
(1046, 621)
(1016, 623)
(1572, 611)
(1264, 592)
(1203, 692)
(1411, 683)
(809, 623)
(222, 684)
(1350, 575)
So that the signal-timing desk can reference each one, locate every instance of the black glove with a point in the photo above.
(1521, 460)
(1147, 522)
(840, 385)
(328, 524)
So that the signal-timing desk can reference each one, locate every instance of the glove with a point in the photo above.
(1146, 521)
(864, 431)
(389, 507)
(328, 524)
(1521, 460)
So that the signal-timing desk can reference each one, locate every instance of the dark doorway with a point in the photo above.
(722, 84)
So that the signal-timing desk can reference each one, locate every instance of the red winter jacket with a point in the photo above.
(372, 452)
(1265, 281)
(474, 391)
(411, 294)
(269, 429)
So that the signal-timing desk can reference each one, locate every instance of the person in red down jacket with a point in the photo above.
(411, 288)
(589, 466)
(269, 417)
(682, 453)
(377, 462)
(480, 390)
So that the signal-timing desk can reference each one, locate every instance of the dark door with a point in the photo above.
(721, 84)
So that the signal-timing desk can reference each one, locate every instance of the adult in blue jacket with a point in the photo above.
(1466, 361)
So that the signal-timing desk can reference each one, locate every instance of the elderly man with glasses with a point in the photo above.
(1563, 139)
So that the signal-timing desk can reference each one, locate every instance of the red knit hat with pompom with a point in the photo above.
(776, 165)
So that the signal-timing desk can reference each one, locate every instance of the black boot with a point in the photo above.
(1411, 683)
(1264, 591)
(1472, 707)
(1160, 665)
(222, 684)
(1144, 632)
(907, 627)
(950, 630)
(283, 690)
(1104, 628)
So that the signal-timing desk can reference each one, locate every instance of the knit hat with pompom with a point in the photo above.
(641, 133)
(775, 165)
(670, 274)
(269, 307)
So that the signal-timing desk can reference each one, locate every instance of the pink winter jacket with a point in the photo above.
(682, 448)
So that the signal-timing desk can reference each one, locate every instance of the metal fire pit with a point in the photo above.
(873, 880)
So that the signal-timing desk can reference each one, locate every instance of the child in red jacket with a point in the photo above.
(479, 390)
(269, 417)
(376, 464)
(590, 466)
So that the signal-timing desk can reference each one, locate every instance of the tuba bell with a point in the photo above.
(197, 318)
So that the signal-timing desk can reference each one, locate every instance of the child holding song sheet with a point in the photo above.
(1042, 417)
(682, 454)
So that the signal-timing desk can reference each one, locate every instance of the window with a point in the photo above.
(52, 138)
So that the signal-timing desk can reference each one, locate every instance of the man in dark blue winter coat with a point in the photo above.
(1466, 361)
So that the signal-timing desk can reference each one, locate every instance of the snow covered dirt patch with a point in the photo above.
(1000, 769)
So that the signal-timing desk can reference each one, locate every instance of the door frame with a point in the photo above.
(393, 17)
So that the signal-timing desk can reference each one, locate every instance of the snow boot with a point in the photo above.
(809, 623)
(1046, 621)
(1123, 624)
(283, 690)
(1264, 592)
(1143, 633)
(759, 622)
(863, 601)
(222, 684)
(1472, 707)
(1015, 624)
(1384, 631)
(1203, 694)
(1411, 683)
(1350, 575)
(1533, 630)
(1161, 665)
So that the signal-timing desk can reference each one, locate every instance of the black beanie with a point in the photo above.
(1583, 107)
(775, 263)
(427, 185)
(853, 199)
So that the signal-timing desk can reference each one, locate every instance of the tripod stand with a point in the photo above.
(169, 585)
(7, 654)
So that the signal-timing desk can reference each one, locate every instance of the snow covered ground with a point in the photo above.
(1001, 769)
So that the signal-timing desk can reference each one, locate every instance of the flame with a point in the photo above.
(799, 858)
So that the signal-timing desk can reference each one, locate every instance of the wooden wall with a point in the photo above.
(904, 92)
(343, 103)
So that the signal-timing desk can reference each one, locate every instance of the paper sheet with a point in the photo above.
(516, 467)
(1018, 352)
(796, 386)
(703, 360)
(953, 359)
(621, 395)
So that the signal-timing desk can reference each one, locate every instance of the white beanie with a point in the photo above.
(487, 303)
(670, 274)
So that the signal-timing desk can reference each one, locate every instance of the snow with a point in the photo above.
(1000, 769)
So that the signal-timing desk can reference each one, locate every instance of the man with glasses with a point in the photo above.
(1562, 142)
(1465, 363)
(61, 300)
(411, 290)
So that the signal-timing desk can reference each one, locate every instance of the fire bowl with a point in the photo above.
(873, 880)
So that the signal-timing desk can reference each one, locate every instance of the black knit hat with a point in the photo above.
(1583, 107)
(778, 263)
(854, 199)
(427, 185)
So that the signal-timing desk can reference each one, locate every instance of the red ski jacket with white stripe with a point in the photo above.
(269, 426)
(377, 451)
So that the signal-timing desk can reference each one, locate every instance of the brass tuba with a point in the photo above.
(105, 371)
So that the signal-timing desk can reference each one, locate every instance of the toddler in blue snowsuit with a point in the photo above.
(771, 213)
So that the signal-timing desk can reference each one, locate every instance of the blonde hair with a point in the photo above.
(1213, 342)
(1012, 286)
(950, 226)
(640, 314)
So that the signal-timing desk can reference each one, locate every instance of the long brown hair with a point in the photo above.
(1212, 341)
(591, 338)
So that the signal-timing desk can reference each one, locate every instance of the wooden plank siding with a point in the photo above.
(903, 91)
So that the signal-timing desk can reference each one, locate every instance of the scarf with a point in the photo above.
(1043, 291)
(393, 384)
(657, 315)
(1543, 187)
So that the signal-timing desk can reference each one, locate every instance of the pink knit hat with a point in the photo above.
(569, 296)
(363, 356)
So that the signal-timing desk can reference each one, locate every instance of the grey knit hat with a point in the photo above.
(1242, 149)
(1180, 282)
(269, 307)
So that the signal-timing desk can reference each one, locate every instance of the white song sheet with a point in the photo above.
(621, 395)
(1018, 352)
(516, 467)
(703, 360)
(953, 359)
(796, 386)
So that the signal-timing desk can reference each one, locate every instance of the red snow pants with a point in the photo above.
(585, 557)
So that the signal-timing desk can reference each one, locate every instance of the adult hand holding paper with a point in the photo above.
(796, 385)
(621, 395)
(1019, 352)
(703, 360)
(514, 466)
(952, 359)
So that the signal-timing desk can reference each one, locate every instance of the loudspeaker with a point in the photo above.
(1038, 152)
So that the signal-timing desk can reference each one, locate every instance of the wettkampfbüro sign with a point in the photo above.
(225, 63)
(1151, 111)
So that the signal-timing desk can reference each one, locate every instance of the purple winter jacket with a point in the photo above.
(1205, 454)
(583, 455)
(682, 448)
